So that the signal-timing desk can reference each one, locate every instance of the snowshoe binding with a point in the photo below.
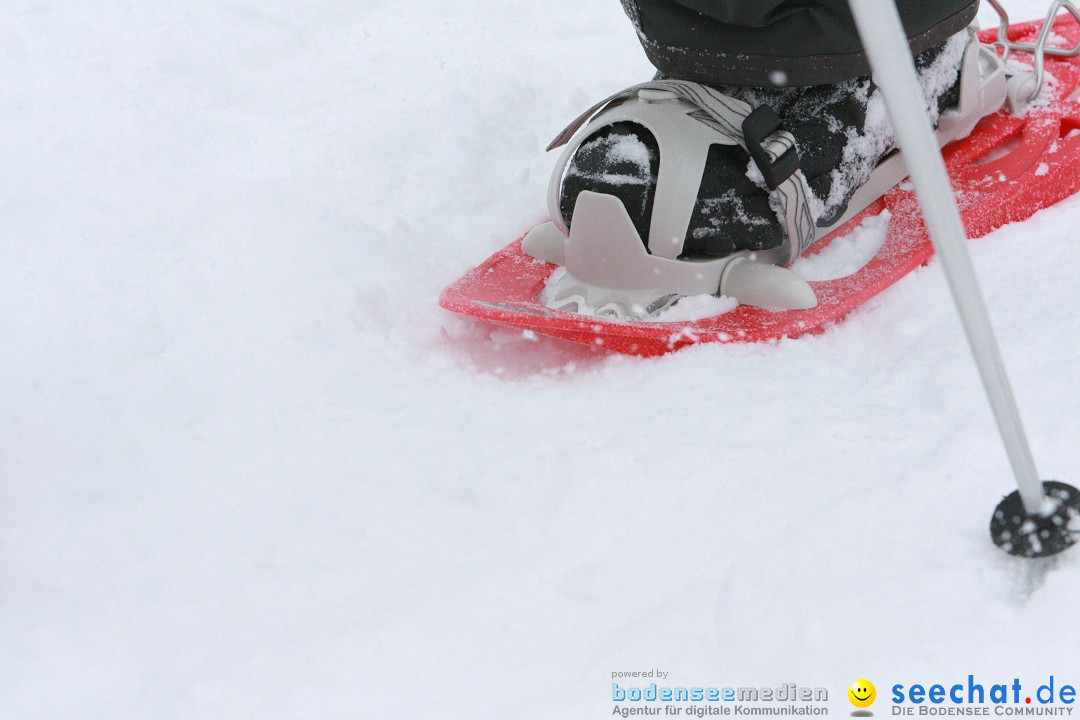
(673, 188)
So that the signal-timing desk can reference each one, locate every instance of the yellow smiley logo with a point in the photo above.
(862, 693)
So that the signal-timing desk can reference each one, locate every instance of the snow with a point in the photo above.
(250, 469)
(697, 307)
(863, 150)
(846, 255)
(626, 149)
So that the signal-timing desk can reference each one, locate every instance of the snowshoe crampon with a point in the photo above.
(1016, 161)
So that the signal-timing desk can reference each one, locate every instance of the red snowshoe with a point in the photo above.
(595, 281)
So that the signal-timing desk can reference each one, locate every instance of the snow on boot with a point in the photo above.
(691, 189)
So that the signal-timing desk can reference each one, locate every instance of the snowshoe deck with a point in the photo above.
(1007, 169)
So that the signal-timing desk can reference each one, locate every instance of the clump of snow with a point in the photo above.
(719, 211)
(864, 149)
(618, 152)
(627, 148)
(686, 308)
(579, 305)
(845, 255)
(697, 307)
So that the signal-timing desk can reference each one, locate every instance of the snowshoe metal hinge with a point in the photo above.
(1025, 87)
(757, 127)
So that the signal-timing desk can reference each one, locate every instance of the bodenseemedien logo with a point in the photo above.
(713, 700)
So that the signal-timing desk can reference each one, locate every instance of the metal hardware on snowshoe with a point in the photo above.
(757, 127)
(1025, 87)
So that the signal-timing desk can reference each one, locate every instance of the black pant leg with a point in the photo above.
(750, 42)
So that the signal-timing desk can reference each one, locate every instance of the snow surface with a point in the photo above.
(251, 470)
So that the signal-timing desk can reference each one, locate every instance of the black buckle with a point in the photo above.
(757, 127)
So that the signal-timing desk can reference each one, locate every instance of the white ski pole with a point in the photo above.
(885, 42)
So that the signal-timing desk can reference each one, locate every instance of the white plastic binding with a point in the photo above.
(608, 266)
